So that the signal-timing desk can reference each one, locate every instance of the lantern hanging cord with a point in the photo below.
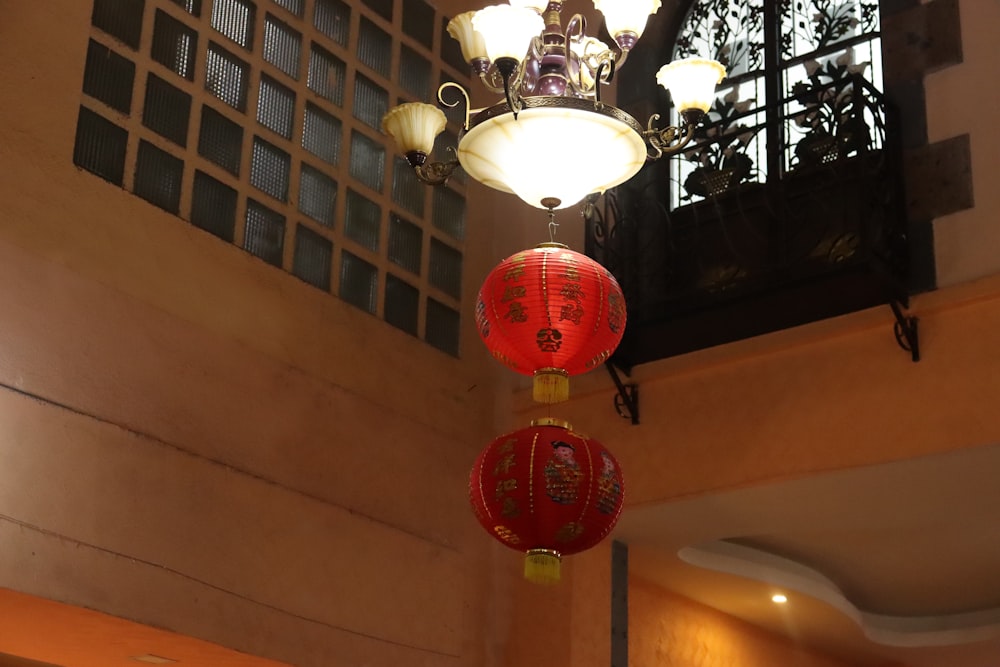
(553, 226)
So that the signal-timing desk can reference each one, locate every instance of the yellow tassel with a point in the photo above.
(551, 385)
(541, 566)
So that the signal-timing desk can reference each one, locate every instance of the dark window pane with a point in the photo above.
(158, 177)
(362, 220)
(375, 47)
(442, 327)
(282, 46)
(226, 77)
(191, 6)
(220, 140)
(333, 19)
(445, 270)
(367, 161)
(174, 45)
(448, 213)
(312, 257)
(371, 101)
(166, 110)
(321, 134)
(451, 50)
(296, 7)
(275, 106)
(213, 206)
(415, 73)
(358, 282)
(264, 235)
(269, 169)
(381, 7)
(407, 190)
(235, 20)
(120, 18)
(317, 195)
(100, 146)
(418, 22)
(109, 77)
(405, 244)
(402, 303)
(326, 75)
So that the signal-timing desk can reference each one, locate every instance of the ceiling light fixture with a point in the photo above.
(551, 140)
(778, 598)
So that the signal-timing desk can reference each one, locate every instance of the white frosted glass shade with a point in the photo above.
(508, 30)
(691, 82)
(472, 42)
(414, 126)
(621, 16)
(566, 153)
(537, 5)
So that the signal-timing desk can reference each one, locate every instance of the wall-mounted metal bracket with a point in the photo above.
(627, 399)
(905, 330)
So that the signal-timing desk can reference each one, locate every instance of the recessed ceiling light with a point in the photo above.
(153, 659)
(779, 598)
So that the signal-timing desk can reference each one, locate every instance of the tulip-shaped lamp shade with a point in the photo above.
(626, 17)
(507, 30)
(537, 5)
(691, 82)
(414, 126)
(472, 42)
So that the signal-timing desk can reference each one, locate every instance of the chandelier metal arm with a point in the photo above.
(436, 173)
(464, 96)
(664, 141)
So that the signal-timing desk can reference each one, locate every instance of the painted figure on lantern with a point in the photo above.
(562, 474)
(609, 490)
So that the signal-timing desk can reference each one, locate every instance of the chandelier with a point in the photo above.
(551, 140)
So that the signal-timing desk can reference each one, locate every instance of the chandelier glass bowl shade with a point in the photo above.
(551, 140)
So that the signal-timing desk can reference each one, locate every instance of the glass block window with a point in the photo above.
(371, 101)
(213, 206)
(406, 242)
(158, 177)
(442, 327)
(445, 271)
(407, 190)
(264, 235)
(448, 212)
(109, 77)
(367, 161)
(235, 19)
(296, 7)
(362, 221)
(333, 19)
(321, 134)
(358, 282)
(415, 74)
(246, 118)
(220, 140)
(121, 19)
(269, 169)
(227, 77)
(402, 304)
(276, 107)
(313, 255)
(326, 74)
(418, 22)
(375, 47)
(282, 46)
(317, 195)
(100, 146)
(166, 110)
(174, 45)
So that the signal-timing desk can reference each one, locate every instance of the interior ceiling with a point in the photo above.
(894, 562)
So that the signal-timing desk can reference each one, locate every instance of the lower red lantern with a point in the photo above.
(546, 491)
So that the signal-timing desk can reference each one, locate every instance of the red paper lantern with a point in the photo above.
(550, 312)
(546, 491)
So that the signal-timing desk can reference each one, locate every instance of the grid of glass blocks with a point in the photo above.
(285, 156)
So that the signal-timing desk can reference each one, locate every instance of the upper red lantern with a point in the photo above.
(550, 312)
(546, 491)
